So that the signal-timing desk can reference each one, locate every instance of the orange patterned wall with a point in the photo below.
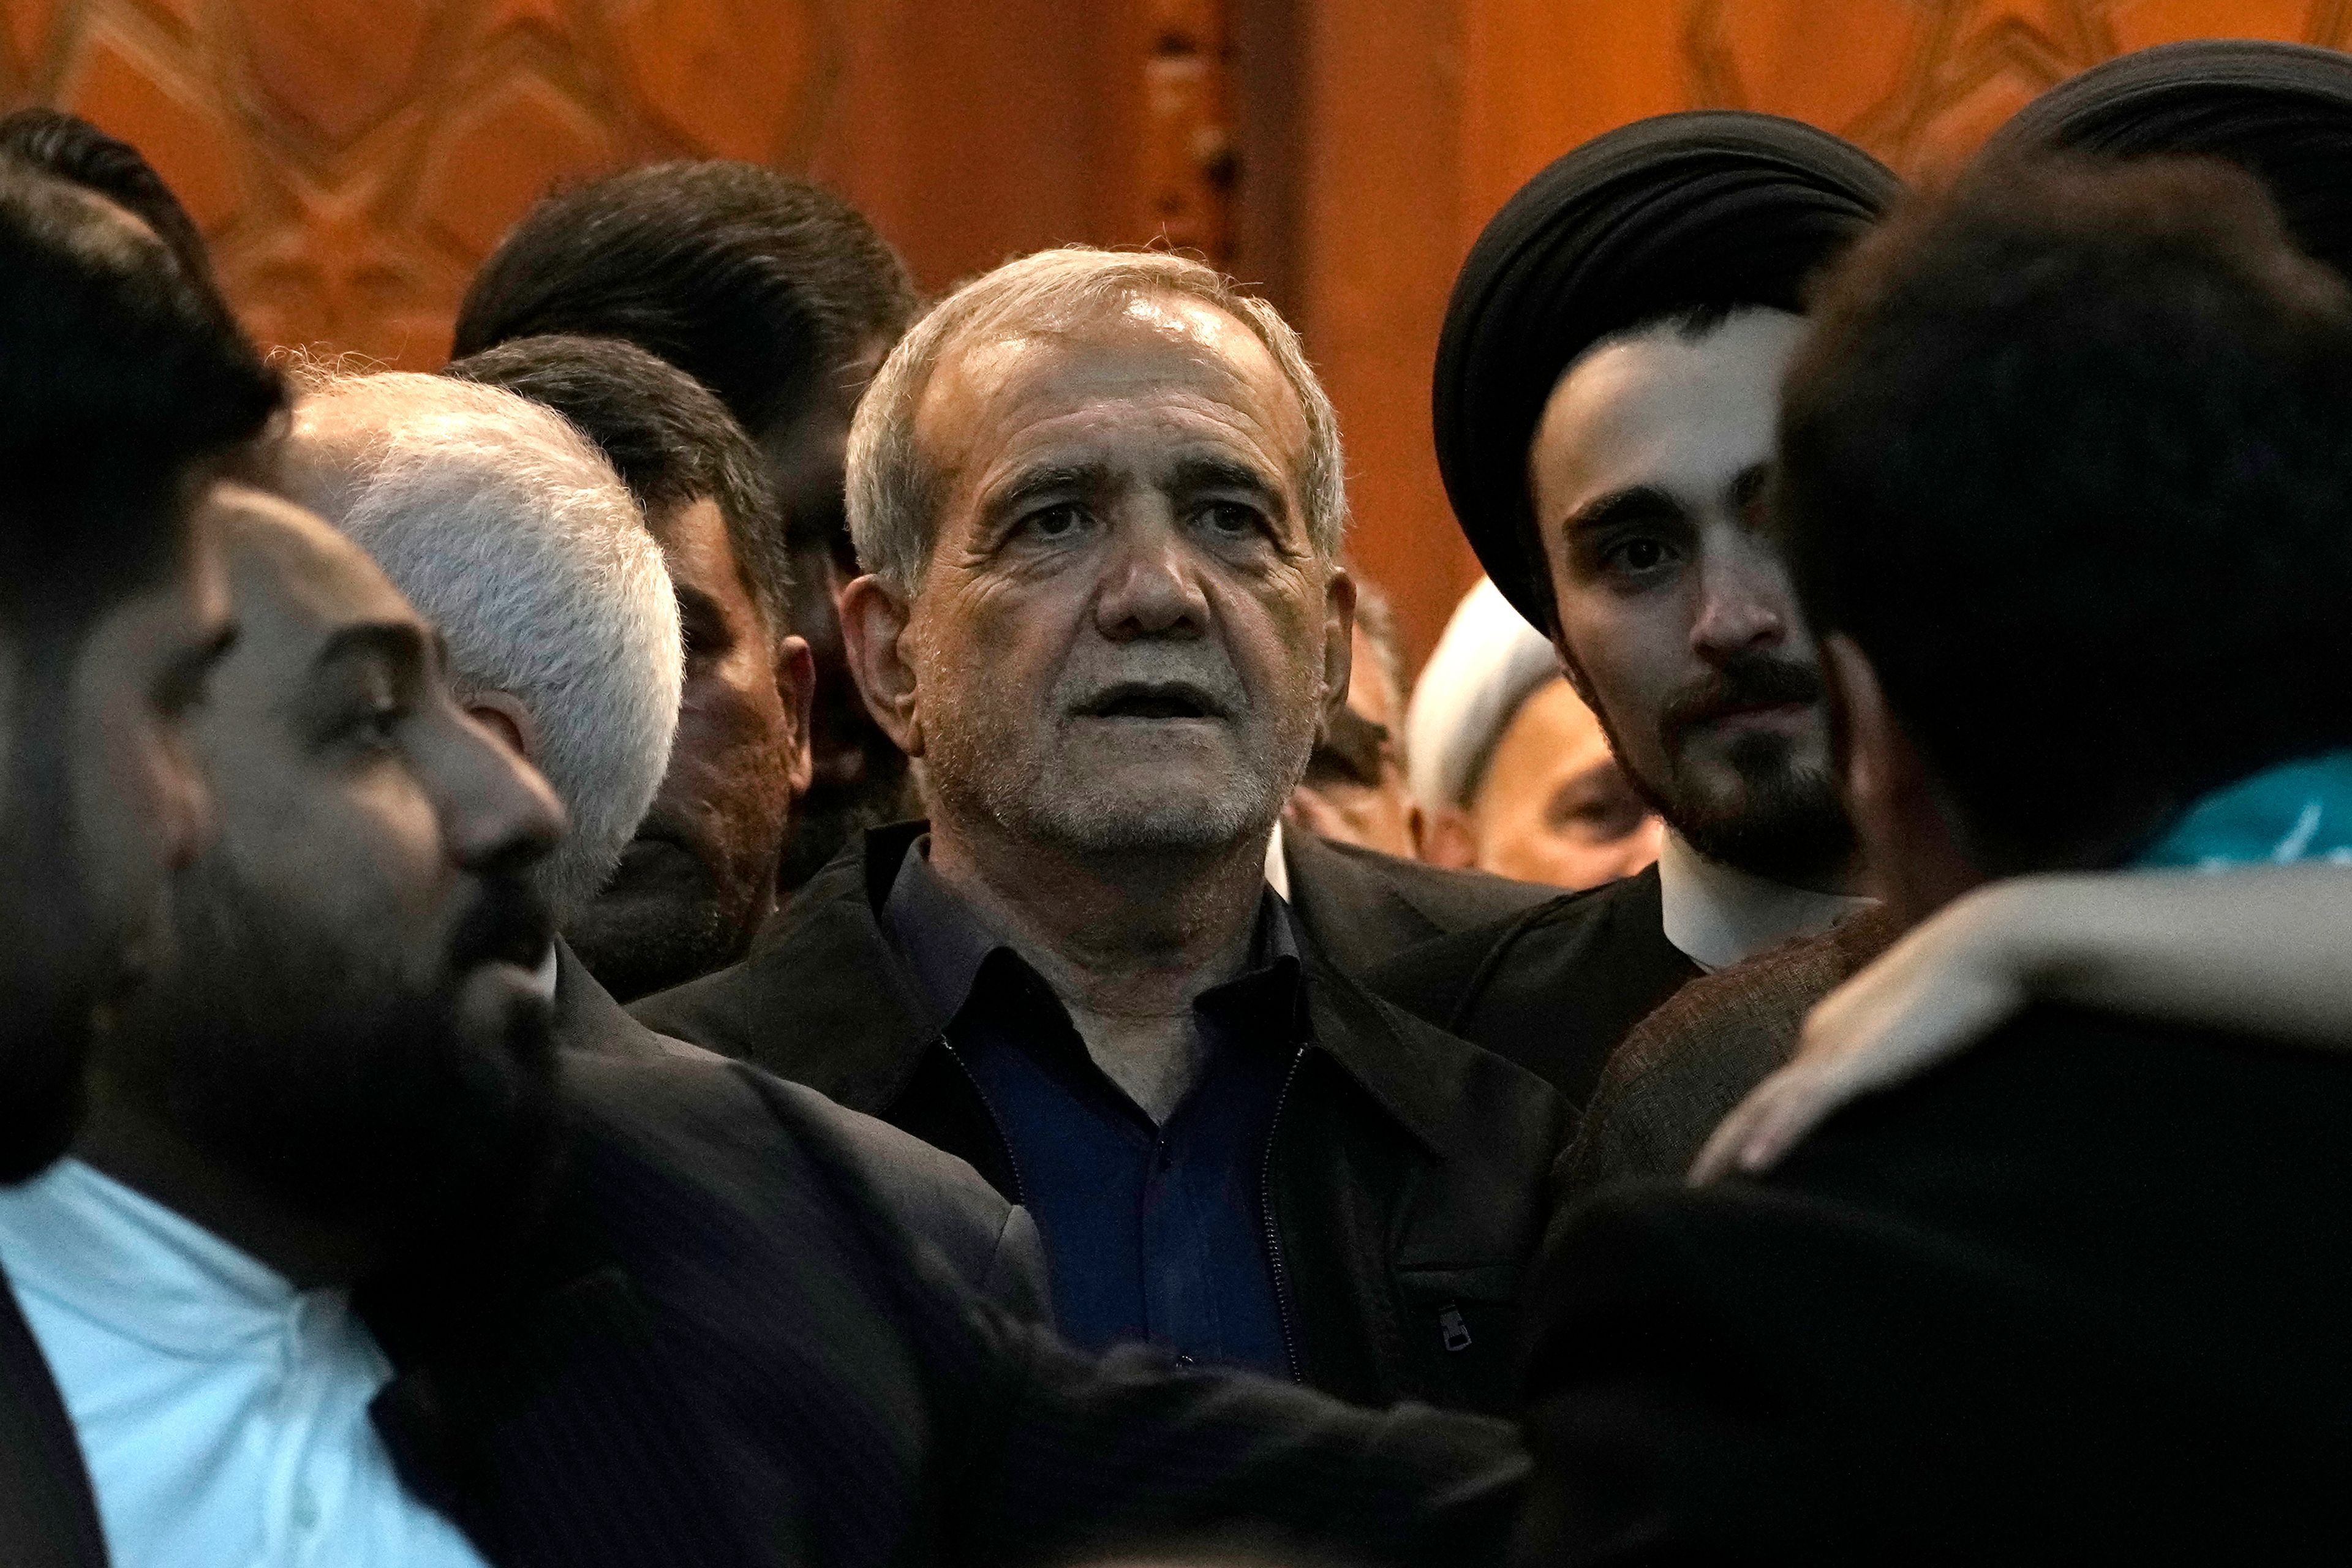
(353, 159)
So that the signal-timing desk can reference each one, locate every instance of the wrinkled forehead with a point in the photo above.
(1155, 369)
(1682, 414)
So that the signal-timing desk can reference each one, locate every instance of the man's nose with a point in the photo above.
(1151, 585)
(1745, 601)
(497, 812)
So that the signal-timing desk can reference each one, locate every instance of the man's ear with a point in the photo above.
(504, 716)
(873, 621)
(1911, 847)
(795, 669)
(1338, 640)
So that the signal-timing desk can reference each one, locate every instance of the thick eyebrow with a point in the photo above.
(1058, 478)
(1635, 503)
(1207, 473)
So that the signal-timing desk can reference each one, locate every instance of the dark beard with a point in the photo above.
(1787, 827)
(1785, 822)
(345, 1093)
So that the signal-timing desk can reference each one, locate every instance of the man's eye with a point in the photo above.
(1637, 557)
(1230, 519)
(1054, 521)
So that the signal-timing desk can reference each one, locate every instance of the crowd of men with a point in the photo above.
(770, 924)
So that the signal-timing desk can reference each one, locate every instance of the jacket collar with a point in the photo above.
(844, 1010)
(1409, 1068)
(839, 1009)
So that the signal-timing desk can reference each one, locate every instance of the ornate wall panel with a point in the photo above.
(352, 160)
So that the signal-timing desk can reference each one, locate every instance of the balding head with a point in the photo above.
(514, 536)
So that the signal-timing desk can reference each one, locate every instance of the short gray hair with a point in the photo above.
(512, 535)
(893, 491)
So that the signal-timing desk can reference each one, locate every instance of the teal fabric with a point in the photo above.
(2299, 811)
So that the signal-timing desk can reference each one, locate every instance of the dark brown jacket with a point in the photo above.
(1688, 1065)
(1406, 1182)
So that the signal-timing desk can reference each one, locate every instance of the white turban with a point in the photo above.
(1488, 663)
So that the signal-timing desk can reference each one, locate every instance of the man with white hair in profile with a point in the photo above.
(1512, 771)
(1100, 503)
(516, 538)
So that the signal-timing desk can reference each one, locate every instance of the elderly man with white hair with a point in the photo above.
(1512, 771)
(1098, 497)
(516, 538)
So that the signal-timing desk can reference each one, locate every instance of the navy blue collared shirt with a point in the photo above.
(1152, 1231)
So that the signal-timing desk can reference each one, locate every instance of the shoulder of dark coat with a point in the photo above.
(742, 1133)
(1454, 1096)
(1434, 978)
(1448, 900)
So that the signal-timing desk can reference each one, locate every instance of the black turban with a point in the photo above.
(1711, 208)
(2280, 111)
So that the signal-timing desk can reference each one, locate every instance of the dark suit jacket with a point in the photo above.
(1688, 1065)
(2079, 1296)
(1554, 989)
(990, 1243)
(1407, 1184)
(1360, 907)
(723, 1349)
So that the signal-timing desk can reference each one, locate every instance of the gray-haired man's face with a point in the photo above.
(1126, 637)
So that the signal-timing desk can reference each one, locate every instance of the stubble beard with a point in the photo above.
(1777, 818)
(1033, 795)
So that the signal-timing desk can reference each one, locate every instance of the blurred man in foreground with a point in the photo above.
(124, 387)
(2078, 627)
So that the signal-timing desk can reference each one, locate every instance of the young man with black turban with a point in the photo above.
(1605, 394)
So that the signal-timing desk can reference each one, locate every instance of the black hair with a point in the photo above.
(2069, 456)
(670, 440)
(79, 153)
(754, 283)
(121, 376)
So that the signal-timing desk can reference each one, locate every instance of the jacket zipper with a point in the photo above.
(1004, 1144)
(1273, 1234)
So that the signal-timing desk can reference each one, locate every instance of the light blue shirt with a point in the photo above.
(222, 1413)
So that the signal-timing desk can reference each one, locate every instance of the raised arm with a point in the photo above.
(2266, 950)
